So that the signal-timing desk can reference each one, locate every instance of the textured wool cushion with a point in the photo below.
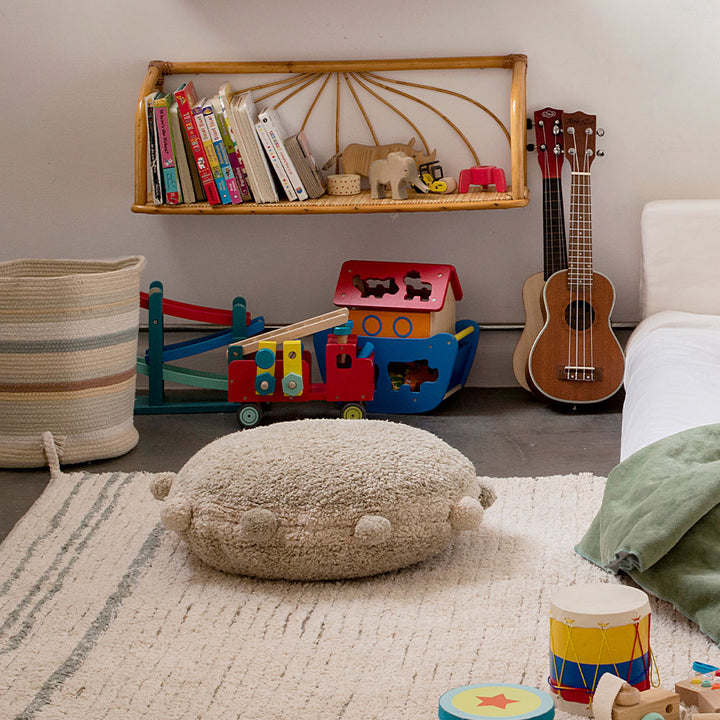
(322, 499)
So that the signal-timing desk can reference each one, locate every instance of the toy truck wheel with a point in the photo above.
(353, 411)
(250, 415)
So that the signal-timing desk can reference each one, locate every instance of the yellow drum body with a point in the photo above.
(597, 629)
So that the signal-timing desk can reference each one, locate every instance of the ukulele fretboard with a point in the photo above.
(554, 245)
(580, 259)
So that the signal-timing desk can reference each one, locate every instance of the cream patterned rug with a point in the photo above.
(103, 614)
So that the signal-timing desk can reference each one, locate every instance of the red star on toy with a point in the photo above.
(499, 701)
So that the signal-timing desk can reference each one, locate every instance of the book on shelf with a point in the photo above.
(270, 120)
(221, 151)
(299, 151)
(194, 171)
(242, 117)
(204, 132)
(231, 147)
(186, 98)
(182, 165)
(171, 188)
(154, 168)
(275, 162)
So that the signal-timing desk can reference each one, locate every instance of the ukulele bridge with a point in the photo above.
(579, 373)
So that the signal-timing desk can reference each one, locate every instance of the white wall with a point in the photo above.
(71, 71)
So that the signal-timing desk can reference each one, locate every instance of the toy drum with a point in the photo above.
(597, 629)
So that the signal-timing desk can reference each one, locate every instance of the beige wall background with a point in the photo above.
(71, 72)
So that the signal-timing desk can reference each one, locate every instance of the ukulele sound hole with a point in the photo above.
(579, 315)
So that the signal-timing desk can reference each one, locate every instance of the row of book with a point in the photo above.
(222, 150)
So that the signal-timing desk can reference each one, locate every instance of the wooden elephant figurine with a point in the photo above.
(399, 171)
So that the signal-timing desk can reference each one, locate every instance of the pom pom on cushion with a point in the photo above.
(323, 499)
(257, 525)
(467, 514)
(177, 514)
(373, 530)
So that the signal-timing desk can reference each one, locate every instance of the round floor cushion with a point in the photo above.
(322, 499)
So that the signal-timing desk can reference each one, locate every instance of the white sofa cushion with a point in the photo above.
(680, 257)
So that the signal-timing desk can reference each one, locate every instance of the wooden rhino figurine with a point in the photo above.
(397, 170)
(356, 158)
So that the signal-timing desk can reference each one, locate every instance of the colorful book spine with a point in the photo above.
(153, 162)
(212, 157)
(181, 160)
(275, 131)
(233, 154)
(172, 193)
(186, 98)
(221, 152)
(275, 161)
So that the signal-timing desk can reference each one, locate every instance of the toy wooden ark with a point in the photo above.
(422, 353)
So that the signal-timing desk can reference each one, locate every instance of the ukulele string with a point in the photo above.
(546, 208)
(588, 257)
(556, 200)
(583, 231)
(558, 251)
(573, 269)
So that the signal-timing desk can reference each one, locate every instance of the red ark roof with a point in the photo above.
(395, 285)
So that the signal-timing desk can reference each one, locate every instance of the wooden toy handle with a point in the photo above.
(608, 689)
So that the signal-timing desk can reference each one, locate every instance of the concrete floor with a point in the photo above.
(505, 432)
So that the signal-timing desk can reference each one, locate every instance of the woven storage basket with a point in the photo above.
(68, 347)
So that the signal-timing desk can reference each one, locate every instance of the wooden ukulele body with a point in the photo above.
(548, 123)
(532, 297)
(576, 357)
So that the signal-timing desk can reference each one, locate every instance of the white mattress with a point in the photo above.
(672, 377)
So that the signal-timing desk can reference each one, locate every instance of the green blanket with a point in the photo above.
(659, 522)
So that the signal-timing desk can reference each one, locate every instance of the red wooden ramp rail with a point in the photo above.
(198, 313)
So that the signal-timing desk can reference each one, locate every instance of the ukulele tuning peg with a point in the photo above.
(600, 153)
(600, 132)
(530, 147)
(529, 123)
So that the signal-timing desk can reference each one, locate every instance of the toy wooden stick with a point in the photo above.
(294, 331)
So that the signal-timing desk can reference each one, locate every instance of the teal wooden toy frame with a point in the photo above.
(155, 362)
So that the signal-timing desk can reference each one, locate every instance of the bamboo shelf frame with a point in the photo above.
(517, 195)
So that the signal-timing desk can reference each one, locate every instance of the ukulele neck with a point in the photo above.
(554, 244)
(580, 260)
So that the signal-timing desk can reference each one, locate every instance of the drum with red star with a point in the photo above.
(499, 700)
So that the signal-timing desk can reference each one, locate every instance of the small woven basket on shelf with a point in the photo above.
(68, 347)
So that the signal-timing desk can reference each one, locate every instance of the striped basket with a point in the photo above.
(68, 346)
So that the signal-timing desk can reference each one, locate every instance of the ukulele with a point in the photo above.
(576, 358)
(548, 137)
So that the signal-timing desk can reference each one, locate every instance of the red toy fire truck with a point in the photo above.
(274, 367)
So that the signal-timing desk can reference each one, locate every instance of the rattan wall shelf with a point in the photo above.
(362, 73)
